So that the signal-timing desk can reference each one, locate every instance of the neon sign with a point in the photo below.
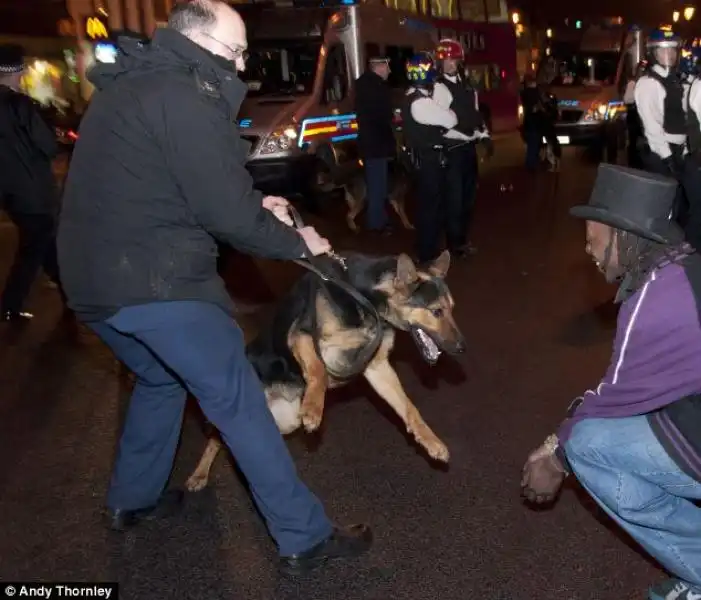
(96, 29)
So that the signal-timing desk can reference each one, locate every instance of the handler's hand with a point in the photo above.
(542, 476)
(316, 244)
(278, 206)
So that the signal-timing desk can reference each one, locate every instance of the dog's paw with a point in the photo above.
(436, 449)
(196, 482)
(311, 418)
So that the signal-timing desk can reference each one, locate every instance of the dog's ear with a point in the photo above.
(406, 272)
(440, 266)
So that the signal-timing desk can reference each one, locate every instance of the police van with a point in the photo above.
(588, 80)
(302, 64)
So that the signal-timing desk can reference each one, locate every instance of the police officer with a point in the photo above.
(425, 122)
(690, 70)
(659, 97)
(453, 90)
(376, 142)
(27, 188)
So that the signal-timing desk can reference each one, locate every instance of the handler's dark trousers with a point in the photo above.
(175, 347)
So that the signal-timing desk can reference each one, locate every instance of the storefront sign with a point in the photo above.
(96, 29)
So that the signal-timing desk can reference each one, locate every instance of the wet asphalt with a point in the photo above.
(539, 325)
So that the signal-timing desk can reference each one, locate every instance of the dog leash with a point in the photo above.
(366, 354)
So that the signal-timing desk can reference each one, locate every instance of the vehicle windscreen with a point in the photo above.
(576, 69)
(286, 68)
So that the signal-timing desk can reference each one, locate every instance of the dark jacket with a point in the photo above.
(27, 148)
(373, 106)
(532, 108)
(157, 177)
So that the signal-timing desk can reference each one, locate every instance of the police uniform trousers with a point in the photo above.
(692, 188)
(36, 249)
(461, 189)
(430, 175)
(678, 171)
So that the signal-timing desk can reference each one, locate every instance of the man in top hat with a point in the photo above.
(376, 142)
(27, 186)
(634, 442)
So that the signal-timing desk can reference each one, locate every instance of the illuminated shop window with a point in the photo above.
(485, 78)
(407, 5)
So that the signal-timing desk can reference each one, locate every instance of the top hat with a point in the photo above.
(11, 59)
(634, 201)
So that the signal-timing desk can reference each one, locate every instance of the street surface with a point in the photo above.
(539, 323)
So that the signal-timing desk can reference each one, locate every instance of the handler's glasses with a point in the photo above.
(236, 51)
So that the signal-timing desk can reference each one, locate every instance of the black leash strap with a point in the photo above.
(366, 354)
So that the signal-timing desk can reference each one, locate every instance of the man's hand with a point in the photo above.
(316, 244)
(542, 476)
(278, 206)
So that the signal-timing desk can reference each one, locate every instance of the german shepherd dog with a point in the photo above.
(319, 335)
(355, 193)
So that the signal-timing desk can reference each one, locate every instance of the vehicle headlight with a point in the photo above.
(598, 112)
(280, 140)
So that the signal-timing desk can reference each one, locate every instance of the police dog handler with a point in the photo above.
(634, 442)
(156, 178)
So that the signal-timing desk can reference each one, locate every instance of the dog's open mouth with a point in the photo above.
(429, 349)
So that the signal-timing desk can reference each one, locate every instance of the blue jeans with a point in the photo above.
(175, 347)
(376, 182)
(626, 470)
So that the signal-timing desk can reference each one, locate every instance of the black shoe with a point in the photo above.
(13, 316)
(344, 542)
(168, 505)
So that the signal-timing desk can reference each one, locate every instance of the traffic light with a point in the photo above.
(578, 24)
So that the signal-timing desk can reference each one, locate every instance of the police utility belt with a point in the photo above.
(439, 150)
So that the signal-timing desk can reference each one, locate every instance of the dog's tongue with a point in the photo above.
(431, 348)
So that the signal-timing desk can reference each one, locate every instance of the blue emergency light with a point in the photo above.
(323, 3)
